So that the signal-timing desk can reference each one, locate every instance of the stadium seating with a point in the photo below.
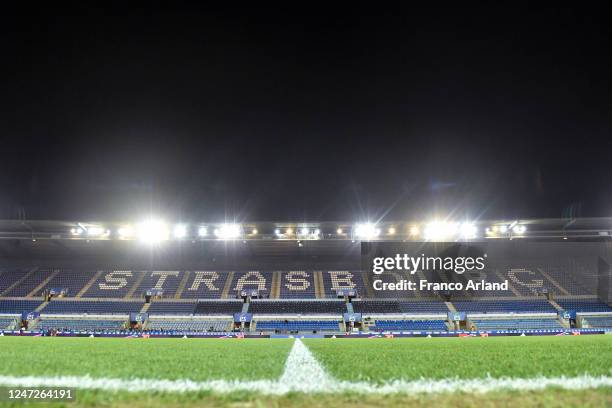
(403, 306)
(262, 281)
(517, 324)
(73, 280)
(293, 292)
(7, 322)
(423, 307)
(525, 278)
(10, 277)
(409, 325)
(218, 307)
(189, 325)
(18, 306)
(204, 284)
(334, 280)
(91, 307)
(297, 284)
(597, 321)
(297, 325)
(113, 284)
(168, 281)
(48, 323)
(376, 306)
(592, 305)
(30, 283)
(298, 307)
(504, 306)
(171, 308)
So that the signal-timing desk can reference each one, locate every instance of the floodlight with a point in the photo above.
(152, 231)
(76, 231)
(95, 231)
(339, 231)
(503, 229)
(228, 231)
(254, 232)
(126, 231)
(202, 231)
(317, 231)
(414, 230)
(180, 231)
(289, 231)
(366, 230)
(440, 230)
(277, 232)
(468, 230)
(391, 231)
(519, 229)
(304, 231)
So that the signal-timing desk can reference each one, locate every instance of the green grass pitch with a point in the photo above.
(373, 360)
(524, 357)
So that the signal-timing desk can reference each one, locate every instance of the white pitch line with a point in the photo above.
(303, 373)
(269, 387)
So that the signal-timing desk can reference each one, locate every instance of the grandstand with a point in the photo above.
(189, 325)
(397, 325)
(551, 323)
(78, 324)
(287, 289)
(296, 326)
(597, 321)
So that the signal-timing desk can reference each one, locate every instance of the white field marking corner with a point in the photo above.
(303, 373)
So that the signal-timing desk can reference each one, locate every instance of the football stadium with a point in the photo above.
(207, 204)
(159, 314)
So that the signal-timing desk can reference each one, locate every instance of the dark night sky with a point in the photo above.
(309, 114)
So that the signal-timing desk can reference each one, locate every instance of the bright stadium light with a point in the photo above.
(95, 231)
(254, 231)
(126, 232)
(277, 232)
(391, 231)
(468, 230)
(440, 230)
(228, 231)
(202, 231)
(180, 231)
(366, 231)
(307, 233)
(519, 229)
(76, 231)
(288, 231)
(503, 229)
(414, 231)
(152, 231)
(339, 231)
